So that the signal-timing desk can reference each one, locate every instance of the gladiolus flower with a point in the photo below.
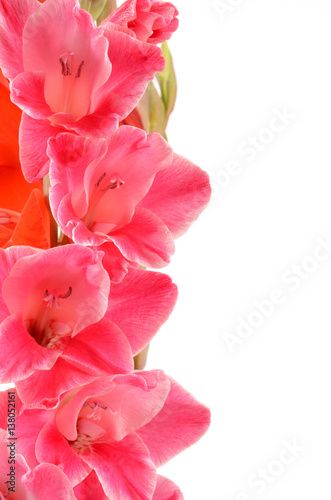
(67, 74)
(61, 325)
(149, 20)
(127, 195)
(109, 436)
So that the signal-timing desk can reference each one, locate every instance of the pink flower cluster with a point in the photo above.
(72, 317)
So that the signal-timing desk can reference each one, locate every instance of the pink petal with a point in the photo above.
(60, 30)
(20, 355)
(178, 195)
(145, 239)
(134, 64)
(8, 258)
(123, 468)
(100, 350)
(29, 425)
(34, 135)
(181, 422)
(53, 448)
(69, 155)
(166, 490)
(19, 468)
(27, 91)
(13, 16)
(90, 489)
(43, 389)
(114, 262)
(140, 304)
(47, 481)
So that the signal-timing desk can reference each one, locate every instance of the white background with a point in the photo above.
(233, 70)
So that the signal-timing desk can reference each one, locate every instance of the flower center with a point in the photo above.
(54, 297)
(97, 201)
(67, 63)
(97, 407)
(47, 328)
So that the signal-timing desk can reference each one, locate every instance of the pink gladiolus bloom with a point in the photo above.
(109, 436)
(128, 195)
(61, 326)
(67, 74)
(149, 20)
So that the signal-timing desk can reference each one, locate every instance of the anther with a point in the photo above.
(115, 182)
(101, 179)
(79, 69)
(64, 71)
(53, 297)
(66, 295)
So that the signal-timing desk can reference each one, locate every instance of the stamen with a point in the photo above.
(101, 179)
(68, 68)
(115, 182)
(8, 216)
(79, 69)
(53, 297)
(65, 296)
(64, 71)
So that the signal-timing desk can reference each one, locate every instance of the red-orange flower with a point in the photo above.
(24, 219)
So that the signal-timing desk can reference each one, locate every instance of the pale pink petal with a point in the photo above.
(123, 468)
(146, 239)
(47, 481)
(20, 355)
(27, 91)
(53, 448)
(100, 350)
(130, 406)
(134, 64)
(166, 490)
(90, 489)
(72, 404)
(83, 283)
(34, 135)
(178, 195)
(59, 34)
(43, 389)
(181, 422)
(108, 110)
(140, 304)
(13, 16)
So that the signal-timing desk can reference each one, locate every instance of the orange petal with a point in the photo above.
(32, 228)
